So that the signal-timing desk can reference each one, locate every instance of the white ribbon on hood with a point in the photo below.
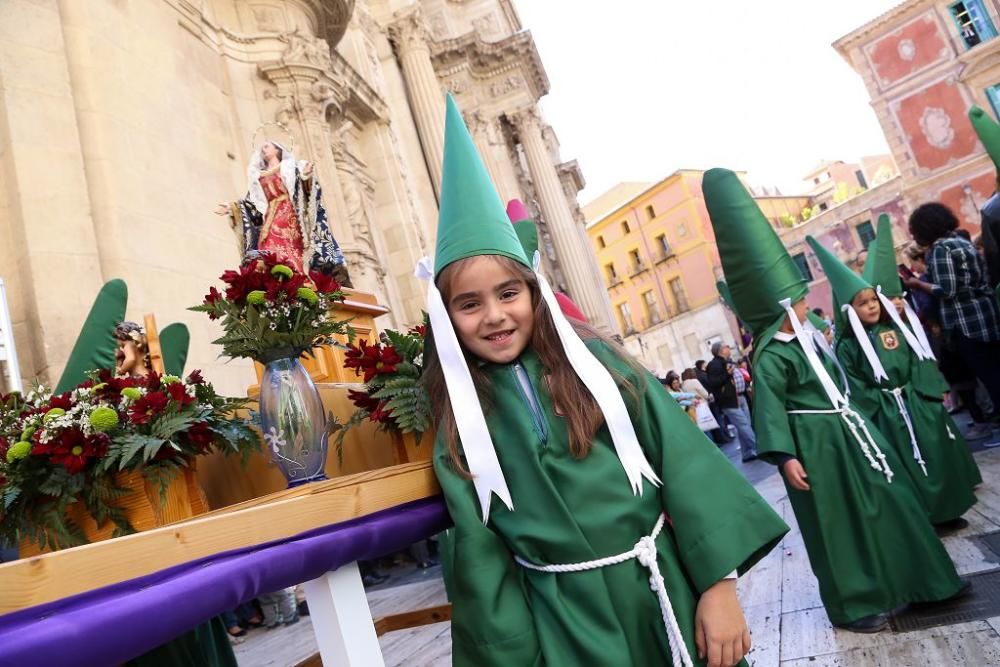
(910, 336)
(865, 342)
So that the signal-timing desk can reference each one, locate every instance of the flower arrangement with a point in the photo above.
(270, 311)
(56, 450)
(393, 397)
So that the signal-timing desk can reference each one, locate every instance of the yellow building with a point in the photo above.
(656, 249)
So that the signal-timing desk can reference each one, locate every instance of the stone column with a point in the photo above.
(411, 37)
(479, 128)
(575, 261)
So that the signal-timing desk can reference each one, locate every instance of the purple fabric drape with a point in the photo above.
(116, 623)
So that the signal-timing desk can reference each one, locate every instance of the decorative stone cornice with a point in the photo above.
(332, 17)
(894, 15)
(571, 171)
(501, 61)
(525, 119)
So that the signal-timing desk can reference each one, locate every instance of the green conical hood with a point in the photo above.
(472, 219)
(95, 346)
(844, 283)
(727, 298)
(817, 321)
(868, 272)
(882, 260)
(527, 234)
(759, 271)
(988, 131)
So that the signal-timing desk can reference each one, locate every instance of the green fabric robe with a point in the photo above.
(568, 510)
(869, 542)
(946, 489)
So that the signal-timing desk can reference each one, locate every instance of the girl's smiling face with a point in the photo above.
(867, 305)
(491, 308)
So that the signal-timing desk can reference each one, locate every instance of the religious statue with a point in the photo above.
(132, 355)
(283, 213)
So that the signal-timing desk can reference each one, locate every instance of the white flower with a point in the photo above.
(274, 439)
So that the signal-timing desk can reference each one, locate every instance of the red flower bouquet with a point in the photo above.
(270, 311)
(61, 449)
(393, 397)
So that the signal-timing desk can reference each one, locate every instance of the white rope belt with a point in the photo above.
(859, 428)
(897, 393)
(645, 552)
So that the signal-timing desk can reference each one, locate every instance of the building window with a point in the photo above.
(862, 181)
(600, 242)
(803, 264)
(626, 230)
(652, 308)
(663, 247)
(625, 314)
(636, 261)
(822, 206)
(974, 25)
(993, 95)
(866, 233)
(650, 212)
(609, 270)
(677, 289)
(816, 181)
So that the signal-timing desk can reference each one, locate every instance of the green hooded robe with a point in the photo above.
(569, 510)
(951, 473)
(868, 540)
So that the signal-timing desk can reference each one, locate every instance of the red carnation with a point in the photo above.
(212, 296)
(420, 330)
(147, 408)
(288, 287)
(324, 284)
(194, 377)
(72, 449)
(374, 359)
(4, 446)
(363, 400)
(380, 415)
(179, 393)
(201, 436)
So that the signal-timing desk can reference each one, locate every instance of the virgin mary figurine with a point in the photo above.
(283, 213)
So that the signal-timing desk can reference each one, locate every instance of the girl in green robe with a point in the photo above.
(865, 531)
(619, 533)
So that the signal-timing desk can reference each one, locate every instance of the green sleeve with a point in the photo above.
(770, 408)
(730, 528)
(491, 621)
(927, 379)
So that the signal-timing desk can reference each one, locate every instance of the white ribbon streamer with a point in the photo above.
(487, 476)
(911, 339)
(837, 399)
(918, 330)
(861, 334)
(602, 387)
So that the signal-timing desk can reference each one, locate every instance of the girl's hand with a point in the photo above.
(796, 474)
(720, 630)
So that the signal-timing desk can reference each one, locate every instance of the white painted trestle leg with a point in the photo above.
(341, 619)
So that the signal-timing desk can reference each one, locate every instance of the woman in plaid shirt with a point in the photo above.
(957, 278)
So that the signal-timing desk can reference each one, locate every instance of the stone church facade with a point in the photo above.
(123, 124)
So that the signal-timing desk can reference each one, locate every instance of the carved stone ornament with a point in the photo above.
(935, 123)
(408, 31)
(306, 49)
(907, 49)
(487, 25)
(506, 85)
(526, 118)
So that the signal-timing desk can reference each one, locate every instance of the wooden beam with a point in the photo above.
(412, 619)
(33, 581)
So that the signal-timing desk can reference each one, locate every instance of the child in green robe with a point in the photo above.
(605, 548)
(880, 356)
(864, 528)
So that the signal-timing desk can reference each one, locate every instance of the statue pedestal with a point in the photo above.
(226, 481)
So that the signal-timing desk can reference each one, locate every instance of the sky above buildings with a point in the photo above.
(640, 88)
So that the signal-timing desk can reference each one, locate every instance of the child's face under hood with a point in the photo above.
(491, 308)
(867, 306)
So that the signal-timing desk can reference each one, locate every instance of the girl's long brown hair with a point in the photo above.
(567, 391)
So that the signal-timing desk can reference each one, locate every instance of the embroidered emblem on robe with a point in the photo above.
(889, 340)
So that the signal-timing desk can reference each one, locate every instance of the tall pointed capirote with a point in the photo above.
(759, 271)
(881, 269)
(472, 219)
(844, 283)
(988, 131)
